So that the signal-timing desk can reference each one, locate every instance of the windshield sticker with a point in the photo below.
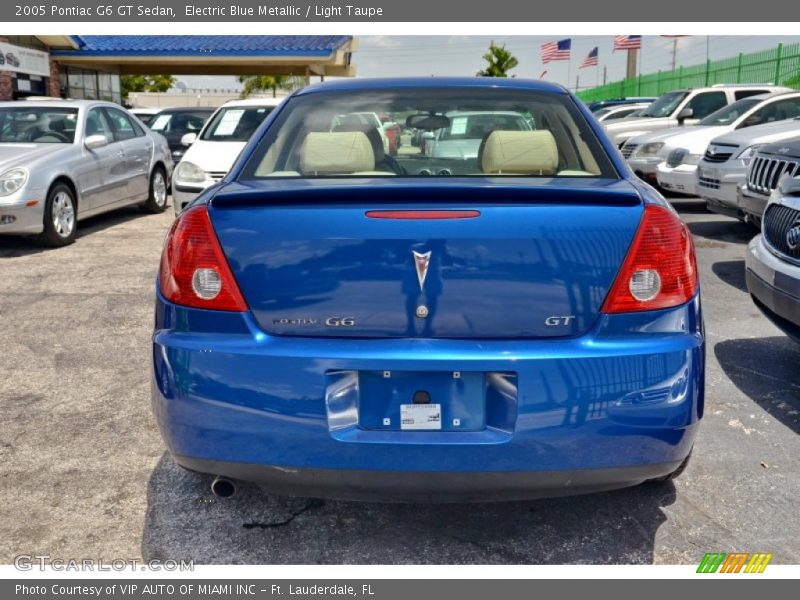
(229, 121)
(458, 126)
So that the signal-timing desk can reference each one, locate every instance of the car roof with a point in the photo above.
(253, 102)
(57, 103)
(348, 85)
(177, 109)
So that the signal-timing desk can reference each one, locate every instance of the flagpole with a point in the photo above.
(569, 68)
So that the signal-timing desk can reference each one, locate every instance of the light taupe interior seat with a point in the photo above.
(519, 153)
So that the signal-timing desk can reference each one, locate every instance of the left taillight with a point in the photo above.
(193, 269)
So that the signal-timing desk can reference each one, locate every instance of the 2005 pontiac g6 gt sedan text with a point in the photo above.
(335, 321)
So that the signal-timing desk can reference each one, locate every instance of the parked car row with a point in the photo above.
(712, 158)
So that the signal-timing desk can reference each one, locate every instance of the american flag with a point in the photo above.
(590, 60)
(556, 50)
(627, 42)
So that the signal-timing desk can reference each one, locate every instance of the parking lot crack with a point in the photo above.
(310, 505)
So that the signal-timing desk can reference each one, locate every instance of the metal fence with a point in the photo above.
(780, 65)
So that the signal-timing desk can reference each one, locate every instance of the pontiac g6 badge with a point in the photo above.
(422, 261)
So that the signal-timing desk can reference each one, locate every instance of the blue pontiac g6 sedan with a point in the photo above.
(516, 317)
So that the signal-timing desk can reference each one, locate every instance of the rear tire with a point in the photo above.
(676, 473)
(157, 199)
(60, 217)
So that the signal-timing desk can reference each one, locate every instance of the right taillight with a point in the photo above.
(660, 270)
(194, 271)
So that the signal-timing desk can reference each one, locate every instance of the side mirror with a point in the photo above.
(188, 139)
(686, 113)
(95, 141)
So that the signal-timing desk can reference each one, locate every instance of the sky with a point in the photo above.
(404, 56)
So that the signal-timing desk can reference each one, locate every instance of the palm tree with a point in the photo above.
(259, 83)
(500, 60)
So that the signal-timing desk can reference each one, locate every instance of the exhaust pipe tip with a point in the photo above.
(223, 487)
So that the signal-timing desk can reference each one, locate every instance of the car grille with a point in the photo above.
(720, 154)
(217, 175)
(675, 157)
(628, 150)
(778, 220)
(766, 172)
(708, 182)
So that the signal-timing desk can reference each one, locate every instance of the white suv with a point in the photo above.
(681, 107)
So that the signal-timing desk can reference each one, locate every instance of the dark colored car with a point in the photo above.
(773, 258)
(598, 104)
(174, 123)
(770, 164)
(522, 321)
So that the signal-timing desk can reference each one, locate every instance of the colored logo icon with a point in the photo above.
(736, 562)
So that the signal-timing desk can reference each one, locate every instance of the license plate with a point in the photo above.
(420, 416)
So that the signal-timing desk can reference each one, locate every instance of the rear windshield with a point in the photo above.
(38, 125)
(235, 123)
(425, 132)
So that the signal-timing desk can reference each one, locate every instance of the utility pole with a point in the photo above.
(577, 83)
(631, 71)
(674, 53)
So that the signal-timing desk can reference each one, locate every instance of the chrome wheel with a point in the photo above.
(63, 213)
(159, 188)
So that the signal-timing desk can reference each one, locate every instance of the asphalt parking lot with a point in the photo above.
(85, 474)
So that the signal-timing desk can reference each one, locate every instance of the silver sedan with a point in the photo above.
(62, 161)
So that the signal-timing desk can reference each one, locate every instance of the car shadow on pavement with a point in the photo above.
(185, 521)
(727, 230)
(731, 272)
(774, 384)
(686, 204)
(12, 246)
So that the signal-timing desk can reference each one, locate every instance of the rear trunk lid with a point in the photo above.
(535, 262)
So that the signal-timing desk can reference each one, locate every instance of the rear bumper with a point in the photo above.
(609, 409)
(422, 486)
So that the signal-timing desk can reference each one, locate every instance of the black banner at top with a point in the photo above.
(450, 11)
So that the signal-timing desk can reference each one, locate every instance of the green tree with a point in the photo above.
(253, 84)
(499, 62)
(145, 83)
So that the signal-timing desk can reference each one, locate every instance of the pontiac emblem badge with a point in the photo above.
(421, 262)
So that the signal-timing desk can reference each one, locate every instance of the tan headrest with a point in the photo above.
(523, 152)
(339, 152)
